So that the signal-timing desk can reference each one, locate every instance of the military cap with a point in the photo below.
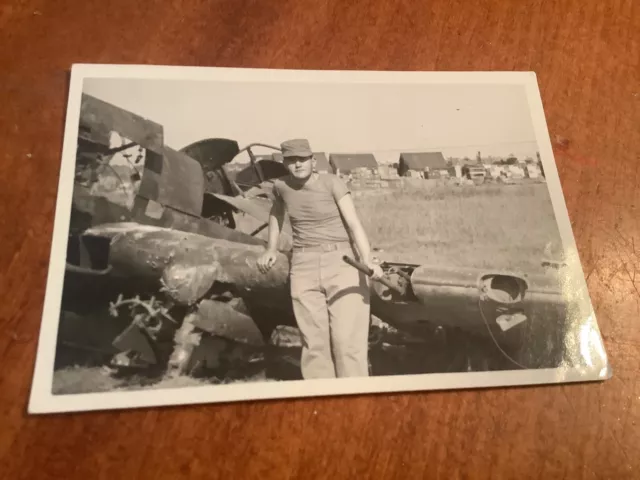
(298, 147)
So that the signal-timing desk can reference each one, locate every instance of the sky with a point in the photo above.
(379, 118)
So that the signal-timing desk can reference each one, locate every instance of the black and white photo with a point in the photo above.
(236, 234)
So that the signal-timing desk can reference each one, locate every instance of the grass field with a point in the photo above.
(505, 227)
(492, 226)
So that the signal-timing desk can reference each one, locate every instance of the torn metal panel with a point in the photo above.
(148, 212)
(98, 119)
(265, 189)
(258, 208)
(228, 320)
(88, 210)
(214, 230)
(212, 153)
(270, 169)
(135, 339)
(174, 180)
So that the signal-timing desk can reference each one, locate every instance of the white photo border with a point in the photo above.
(42, 400)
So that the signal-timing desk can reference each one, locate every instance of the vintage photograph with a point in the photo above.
(229, 234)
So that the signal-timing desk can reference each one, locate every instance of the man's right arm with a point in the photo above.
(276, 218)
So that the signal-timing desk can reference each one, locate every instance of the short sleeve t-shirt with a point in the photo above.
(313, 210)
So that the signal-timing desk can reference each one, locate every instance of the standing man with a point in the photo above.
(330, 298)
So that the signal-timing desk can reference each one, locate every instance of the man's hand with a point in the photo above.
(267, 260)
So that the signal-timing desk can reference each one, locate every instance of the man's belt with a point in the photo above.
(323, 248)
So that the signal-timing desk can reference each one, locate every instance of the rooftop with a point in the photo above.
(347, 162)
(422, 160)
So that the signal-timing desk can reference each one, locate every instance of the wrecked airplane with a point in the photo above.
(153, 239)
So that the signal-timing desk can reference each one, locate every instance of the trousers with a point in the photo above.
(331, 303)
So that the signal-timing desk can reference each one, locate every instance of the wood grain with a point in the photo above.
(586, 54)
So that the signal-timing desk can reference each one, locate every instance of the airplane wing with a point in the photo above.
(527, 315)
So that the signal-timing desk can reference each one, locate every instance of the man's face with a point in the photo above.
(300, 167)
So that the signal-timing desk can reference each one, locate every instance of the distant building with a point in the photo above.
(424, 164)
(353, 163)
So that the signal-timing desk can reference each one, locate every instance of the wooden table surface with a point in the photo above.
(586, 55)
